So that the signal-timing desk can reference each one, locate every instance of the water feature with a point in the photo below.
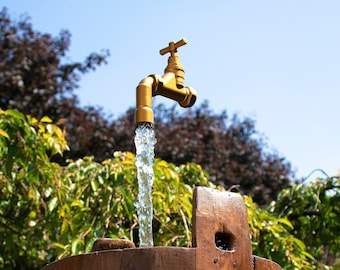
(216, 215)
(170, 85)
(145, 141)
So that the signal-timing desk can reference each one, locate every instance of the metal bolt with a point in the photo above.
(215, 260)
(234, 264)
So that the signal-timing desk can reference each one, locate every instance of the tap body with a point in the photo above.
(165, 86)
(170, 85)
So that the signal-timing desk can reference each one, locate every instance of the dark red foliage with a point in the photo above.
(230, 150)
(35, 79)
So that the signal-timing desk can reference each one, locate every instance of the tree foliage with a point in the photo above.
(33, 76)
(272, 239)
(36, 79)
(230, 149)
(49, 211)
(27, 178)
(314, 210)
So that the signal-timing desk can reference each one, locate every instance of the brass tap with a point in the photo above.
(170, 85)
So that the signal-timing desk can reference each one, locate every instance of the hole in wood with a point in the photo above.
(224, 241)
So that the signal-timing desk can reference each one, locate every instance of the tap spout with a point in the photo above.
(165, 86)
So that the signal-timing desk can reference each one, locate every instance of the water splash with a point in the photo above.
(145, 141)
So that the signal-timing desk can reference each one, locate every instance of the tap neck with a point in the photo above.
(175, 66)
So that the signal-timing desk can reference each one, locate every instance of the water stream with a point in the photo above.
(145, 141)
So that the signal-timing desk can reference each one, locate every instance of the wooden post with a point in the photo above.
(221, 233)
(220, 230)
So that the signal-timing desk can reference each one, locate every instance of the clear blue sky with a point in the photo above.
(274, 61)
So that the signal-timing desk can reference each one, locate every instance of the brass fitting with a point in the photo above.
(170, 85)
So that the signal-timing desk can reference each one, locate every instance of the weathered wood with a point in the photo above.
(220, 230)
(164, 258)
(110, 244)
(264, 264)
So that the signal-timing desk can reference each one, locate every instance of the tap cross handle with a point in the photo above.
(173, 47)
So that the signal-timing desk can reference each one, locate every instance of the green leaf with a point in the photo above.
(4, 133)
(78, 203)
(286, 222)
(46, 119)
(94, 185)
(16, 114)
(52, 204)
(74, 246)
(64, 227)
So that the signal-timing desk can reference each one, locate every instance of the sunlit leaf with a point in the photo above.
(45, 119)
(16, 114)
(4, 133)
(52, 204)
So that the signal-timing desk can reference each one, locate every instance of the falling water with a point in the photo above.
(145, 141)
